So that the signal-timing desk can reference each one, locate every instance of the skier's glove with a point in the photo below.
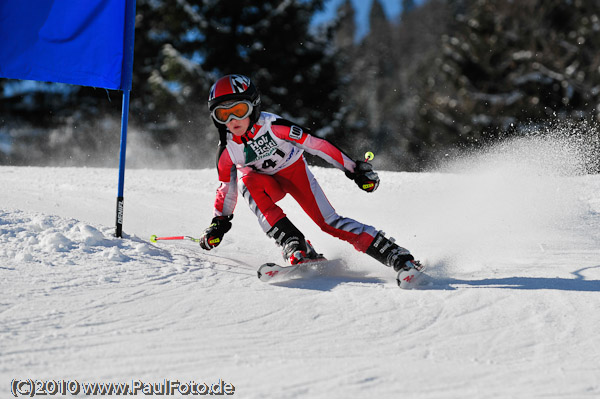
(214, 234)
(365, 178)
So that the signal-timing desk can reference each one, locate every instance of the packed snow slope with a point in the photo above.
(511, 238)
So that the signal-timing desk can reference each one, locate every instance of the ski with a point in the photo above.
(410, 277)
(270, 272)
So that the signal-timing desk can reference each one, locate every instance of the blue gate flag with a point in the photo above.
(80, 42)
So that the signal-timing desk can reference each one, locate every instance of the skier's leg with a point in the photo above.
(302, 185)
(386, 251)
(262, 192)
(294, 247)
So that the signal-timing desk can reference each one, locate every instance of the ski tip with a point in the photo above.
(259, 271)
(153, 238)
(409, 279)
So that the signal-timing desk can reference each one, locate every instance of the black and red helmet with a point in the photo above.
(235, 87)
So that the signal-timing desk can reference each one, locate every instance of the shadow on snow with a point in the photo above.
(579, 283)
(327, 281)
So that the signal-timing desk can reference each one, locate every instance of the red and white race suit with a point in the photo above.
(271, 162)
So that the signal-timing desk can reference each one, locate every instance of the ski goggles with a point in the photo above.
(237, 110)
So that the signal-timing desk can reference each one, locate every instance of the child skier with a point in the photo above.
(267, 150)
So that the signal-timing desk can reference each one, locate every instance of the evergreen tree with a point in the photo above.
(417, 39)
(407, 7)
(371, 82)
(389, 72)
(345, 29)
(507, 65)
(198, 41)
(270, 42)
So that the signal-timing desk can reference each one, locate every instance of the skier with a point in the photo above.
(267, 151)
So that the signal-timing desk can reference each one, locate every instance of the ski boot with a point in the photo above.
(295, 248)
(294, 253)
(391, 254)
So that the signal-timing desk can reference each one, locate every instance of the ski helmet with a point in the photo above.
(235, 87)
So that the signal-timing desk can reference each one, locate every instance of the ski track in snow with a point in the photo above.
(510, 308)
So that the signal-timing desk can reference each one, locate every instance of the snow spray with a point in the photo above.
(514, 200)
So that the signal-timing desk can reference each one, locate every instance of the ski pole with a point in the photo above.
(369, 156)
(154, 238)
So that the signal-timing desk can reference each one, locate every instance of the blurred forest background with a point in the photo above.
(443, 76)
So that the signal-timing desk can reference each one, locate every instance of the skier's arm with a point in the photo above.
(313, 145)
(226, 197)
(225, 202)
(329, 152)
(360, 171)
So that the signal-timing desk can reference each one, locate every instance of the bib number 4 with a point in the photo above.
(270, 163)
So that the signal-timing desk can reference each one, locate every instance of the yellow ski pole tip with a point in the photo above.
(369, 156)
(153, 238)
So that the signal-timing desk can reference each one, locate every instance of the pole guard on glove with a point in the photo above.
(365, 178)
(213, 235)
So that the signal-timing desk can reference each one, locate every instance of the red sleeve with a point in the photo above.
(226, 197)
(315, 146)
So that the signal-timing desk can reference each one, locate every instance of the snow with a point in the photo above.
(511, 309)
